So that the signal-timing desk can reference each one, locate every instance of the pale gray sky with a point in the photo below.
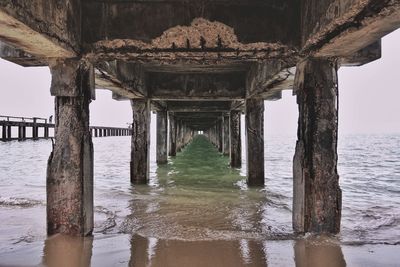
(369, 97)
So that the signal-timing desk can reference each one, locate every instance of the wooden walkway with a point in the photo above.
(40, 128)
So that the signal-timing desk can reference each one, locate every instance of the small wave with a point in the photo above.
(380, 223)
(19, 202)
(109, 223)
(370, 242)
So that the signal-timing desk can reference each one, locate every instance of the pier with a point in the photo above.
(199, 65)
(40, 129)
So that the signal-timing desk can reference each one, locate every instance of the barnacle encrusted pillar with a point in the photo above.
(236, 143)
(172, 135)
(255, 141)
(70, 165)
(162, 136)
(140, 146)
(316, 192)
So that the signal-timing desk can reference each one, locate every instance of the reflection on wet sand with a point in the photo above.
(65, 251)
(319, 251)
(176, 253)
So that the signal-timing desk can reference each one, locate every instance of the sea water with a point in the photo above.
(197, 211)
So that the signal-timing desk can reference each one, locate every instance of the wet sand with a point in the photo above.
(124, 250)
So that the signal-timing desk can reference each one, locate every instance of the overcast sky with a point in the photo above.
(369, 97)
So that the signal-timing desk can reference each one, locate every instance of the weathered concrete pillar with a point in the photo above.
(178, 135)
(140, 153)
(236, 143)
(255, 141)
(220, 135)
(162, 137)
(317, 195)
(226, 137)
(70, 165)
(172, 135)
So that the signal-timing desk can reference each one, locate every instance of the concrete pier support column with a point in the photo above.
(140, 153)
(70, 165)
(178, 135)
(226, 137)
(220, 135)
(236, 143)
(255, 141)
(172, 135)
(162, 137)
(317, 195)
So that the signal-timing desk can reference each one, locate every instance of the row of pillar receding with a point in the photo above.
(317, 196)
(103, 132)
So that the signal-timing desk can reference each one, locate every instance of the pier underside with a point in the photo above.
(199, 65)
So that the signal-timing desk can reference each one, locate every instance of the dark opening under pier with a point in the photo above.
(199, 65)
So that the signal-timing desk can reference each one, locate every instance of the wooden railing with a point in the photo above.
(8, 123)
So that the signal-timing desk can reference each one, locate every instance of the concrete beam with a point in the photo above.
(17, 56)
(199, 106)
(341, 28)
(266, 80)
(266, 21)
(196, 86)
(111, 75)
(364, 56)
(43, 29)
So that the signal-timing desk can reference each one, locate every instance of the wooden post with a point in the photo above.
(46, 132)
(162, 137)
(35, 130)
(9, 132)
(236, 143)
(140, 148)
(4, 133)
(20, 133)
(70, 165)
(255, 141)
(172, 135)
(317, 195)
(23, 132)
